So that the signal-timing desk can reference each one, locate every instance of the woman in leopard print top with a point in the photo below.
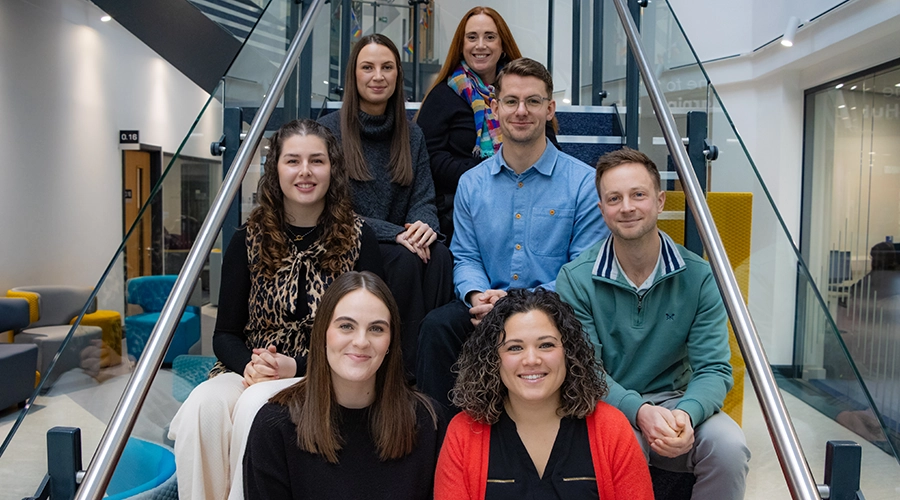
(301, 237)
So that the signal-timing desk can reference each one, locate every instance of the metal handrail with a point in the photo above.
(101, 468)
(799, 478)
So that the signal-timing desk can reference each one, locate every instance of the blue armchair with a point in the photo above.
(150, 293)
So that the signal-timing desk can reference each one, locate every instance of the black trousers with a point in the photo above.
(418, 288)
(443, 332)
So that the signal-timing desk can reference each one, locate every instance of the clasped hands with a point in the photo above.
(267, 364)
(482, 303)
(669, 432)
(418, 238)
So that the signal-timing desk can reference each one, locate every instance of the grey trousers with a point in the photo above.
(719, 459)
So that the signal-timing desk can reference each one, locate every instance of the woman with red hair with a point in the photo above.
(460, 128)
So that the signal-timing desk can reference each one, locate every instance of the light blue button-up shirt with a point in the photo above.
(517, 230)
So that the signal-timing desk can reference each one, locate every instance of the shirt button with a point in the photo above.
(552, 212)
(518, 247)
(521, 184)
(515, 277)
(518, 216)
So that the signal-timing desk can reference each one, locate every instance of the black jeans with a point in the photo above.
(443, 332)
(418, 288)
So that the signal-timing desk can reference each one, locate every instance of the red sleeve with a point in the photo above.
(462, 465)
(619, 463)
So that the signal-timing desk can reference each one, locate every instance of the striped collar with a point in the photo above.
(605, 265)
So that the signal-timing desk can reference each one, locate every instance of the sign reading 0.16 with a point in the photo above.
(129, 137)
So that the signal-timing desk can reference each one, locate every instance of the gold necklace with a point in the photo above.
(300, 236)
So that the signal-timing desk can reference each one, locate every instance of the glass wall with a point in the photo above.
(851, 231)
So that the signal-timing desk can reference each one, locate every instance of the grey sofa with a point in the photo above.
(56, 306)
(18, 362)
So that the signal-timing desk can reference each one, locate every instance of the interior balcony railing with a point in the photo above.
(133, 392)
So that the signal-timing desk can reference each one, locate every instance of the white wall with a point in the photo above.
(68, 84)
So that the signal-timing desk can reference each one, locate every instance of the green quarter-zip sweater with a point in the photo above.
(673, 337)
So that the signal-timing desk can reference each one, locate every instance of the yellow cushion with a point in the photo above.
(34, 303)
(111, 324)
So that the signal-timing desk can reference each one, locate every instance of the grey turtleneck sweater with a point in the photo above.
(385, 205)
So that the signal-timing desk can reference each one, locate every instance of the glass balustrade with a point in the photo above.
(794, 306)
(167, 197)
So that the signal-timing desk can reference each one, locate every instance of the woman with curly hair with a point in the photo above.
(352, 428)
(533, 423)
(301, 237)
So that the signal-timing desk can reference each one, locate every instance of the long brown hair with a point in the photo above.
(401, 156)
(479, 390)
(269, 217)
(312, 403)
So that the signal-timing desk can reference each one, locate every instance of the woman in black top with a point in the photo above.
(352, 428)
(300, 238)
(460, 128)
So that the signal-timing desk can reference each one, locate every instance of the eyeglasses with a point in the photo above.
(532, 103)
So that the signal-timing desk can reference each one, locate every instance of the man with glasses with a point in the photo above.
(518, 217)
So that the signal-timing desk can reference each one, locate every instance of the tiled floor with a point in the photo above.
(77, 401)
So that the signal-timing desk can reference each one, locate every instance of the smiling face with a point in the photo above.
(376, 78)
(482, 47)
(523, 125)
(356, 342)
(532, 359)
(630, 202)
(304, 174)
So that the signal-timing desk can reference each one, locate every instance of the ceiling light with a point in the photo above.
(897, 85)
(789, 31)
(854, 107)
(842, 106)
(853, 87)
(838, 86)
(107, 18)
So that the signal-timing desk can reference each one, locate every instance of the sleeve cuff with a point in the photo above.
(630, 405)
(694, 409)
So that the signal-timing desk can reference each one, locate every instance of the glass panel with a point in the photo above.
(793, 319)
(853, 221)
(679, 76)
(237, 18)
(391, 20)
(167, 196)
(615, 51)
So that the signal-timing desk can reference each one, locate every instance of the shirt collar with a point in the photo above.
(670, 259)
(545, 164)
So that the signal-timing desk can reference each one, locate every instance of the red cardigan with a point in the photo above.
(619, 463)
